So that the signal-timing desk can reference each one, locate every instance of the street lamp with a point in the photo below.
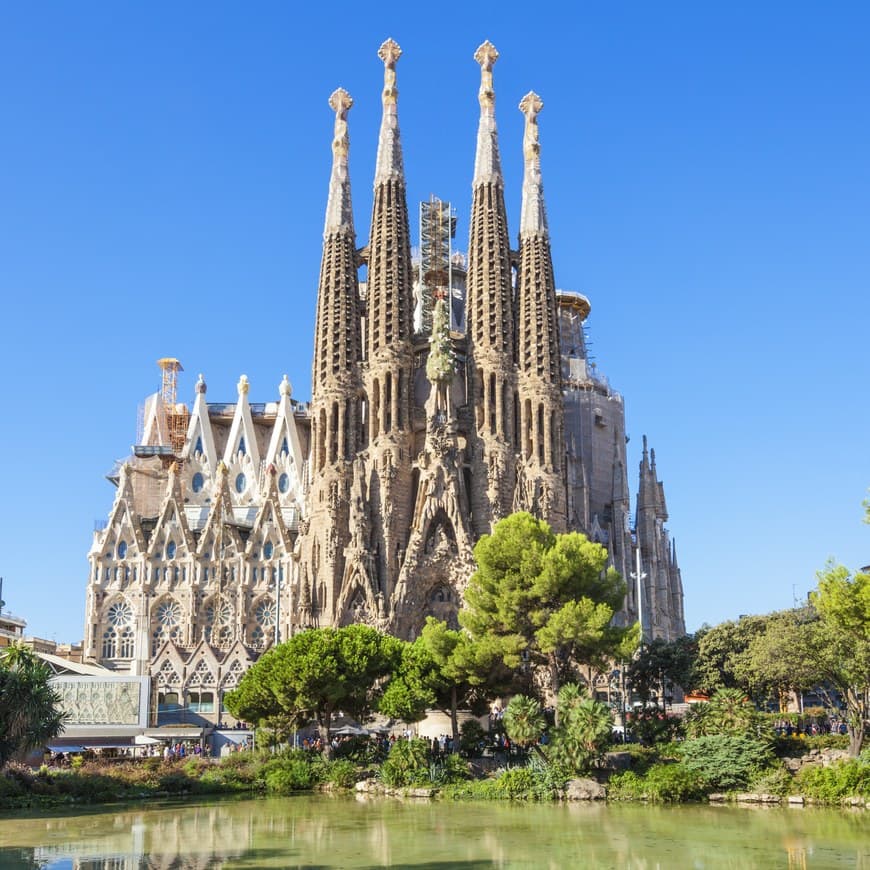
(639, 577)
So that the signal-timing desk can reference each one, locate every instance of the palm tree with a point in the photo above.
(524, 721)
(29, 705)
(585, 729)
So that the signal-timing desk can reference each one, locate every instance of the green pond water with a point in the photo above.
(324, 831)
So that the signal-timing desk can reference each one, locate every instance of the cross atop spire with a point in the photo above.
(533, 218)
(389, 163)
(339, 212)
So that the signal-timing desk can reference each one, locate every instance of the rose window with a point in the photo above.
(120, 614)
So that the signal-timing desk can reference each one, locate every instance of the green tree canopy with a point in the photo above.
(843, 604)
(721, 653)
(546, 597)
(444, 669)
(315, 674)
(662, 662)
(30, 711)
(783, 657)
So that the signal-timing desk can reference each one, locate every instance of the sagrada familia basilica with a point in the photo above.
(448, 391)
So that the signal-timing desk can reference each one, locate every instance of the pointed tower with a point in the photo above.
(389, 352)
(490, 318)
(539, 377)
(663, 611)
(336, 403)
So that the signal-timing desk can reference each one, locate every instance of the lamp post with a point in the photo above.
(638, 576)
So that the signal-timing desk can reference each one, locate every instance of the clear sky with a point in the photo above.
(163, 178)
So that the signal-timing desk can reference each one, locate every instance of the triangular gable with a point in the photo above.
(167, 666)
(200, 438)
(221, 511)
(123, 521)
(269, 512)
(155, 432)
(172, 522)
(285, 450)
(242, 441)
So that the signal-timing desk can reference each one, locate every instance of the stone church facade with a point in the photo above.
(234, 525)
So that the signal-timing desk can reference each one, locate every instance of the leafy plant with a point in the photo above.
(471, 736)
(407, 763)
(662, 783)
(849, 778)
(725, 762)
(290, 775)
(729, 712)
(584, 732)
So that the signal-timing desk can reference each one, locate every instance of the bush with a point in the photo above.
(725, 762)
(407, 763)
(795, 745)
(652, 727)
(662, 783)
(850, 778)
(450, 769)
(518, 783)
(774, 780)
(471, 736)
(289, 775)
(728, 712)
(340, 772)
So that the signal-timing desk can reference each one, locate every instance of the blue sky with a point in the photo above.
(163, 184)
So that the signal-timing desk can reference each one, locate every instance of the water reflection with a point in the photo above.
(329, 832)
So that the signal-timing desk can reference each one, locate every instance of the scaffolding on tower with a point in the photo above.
(177, 414)
(437, 228)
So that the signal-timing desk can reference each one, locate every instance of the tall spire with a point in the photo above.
(337, 330)
(533, 218)
(487, 164)
(389, 163)
(390, 293)
(490, 316)
(339, 213)
(538, 356)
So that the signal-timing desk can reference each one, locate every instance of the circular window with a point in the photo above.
(168, 614)
(122, 549)
(268, 549)
(170, 550)
(265, 613)
(197, 482)
(283, 483)
(120, 614)
(241, 483)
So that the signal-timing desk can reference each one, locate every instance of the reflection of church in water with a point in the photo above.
(448, 391)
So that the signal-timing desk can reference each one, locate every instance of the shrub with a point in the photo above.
(790, 746)
(652, 727)
(340, 772)
(407, 763)
(849, 778)
(450, 769)
(289, 775)
(471, 736)
(723, 761)
(773, 780)
(729, 712)
(662, 783)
